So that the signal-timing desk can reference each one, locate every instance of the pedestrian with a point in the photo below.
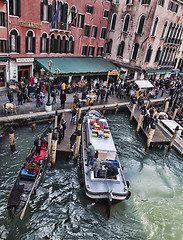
(63, 123)
(63, 99)
(73, 119)
(38, 101)
(60, 133)
(95, 166)
(145, 122)
(107, 95)
(20, 97)
(10, 96)
(25, 94)
(91, 153)
(72, 139)
(53, 95)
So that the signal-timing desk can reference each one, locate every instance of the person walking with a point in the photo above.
(63, 123)
(63, 99)
(10, 96)
(91, 153)
(73, 119)
(72, 139)
(95, 166)
(20, 97)
(38, 101)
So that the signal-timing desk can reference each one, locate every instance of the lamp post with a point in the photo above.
(48, 105)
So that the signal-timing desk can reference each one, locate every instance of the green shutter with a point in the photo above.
(41, 11)
(18, 44)
(41, 45)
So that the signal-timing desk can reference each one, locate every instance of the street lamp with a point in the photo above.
(49, 76)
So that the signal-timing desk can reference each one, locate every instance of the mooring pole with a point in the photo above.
(158, 113)
(132, 112)
(56, 118)
(78, 115)
(54, 149)
(175, 112)
(11, 137)
(140, 122)
(33, 127)
(173, 138)
(148, 103)
(116, 110)
(78, 140)
(166, 106)
(151, 134)
(49, 143)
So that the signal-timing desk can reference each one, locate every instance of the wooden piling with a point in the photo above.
(148, 103)
(166, 106)
(132, 112)
(49, 143)
(158, 113)
(11, 137)
(140, 122)
(103, 111)
(175, 112)
(78, 115)
(33, 127)
(116, 109)
(151, 134)
(78, 140)
(54, 149)
(173, 138)
(56, 118)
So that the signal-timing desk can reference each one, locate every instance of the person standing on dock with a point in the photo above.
(91, 153)
(20, 97)
(63, 124)
(10, 96)
(72, 139)
(63, 99)
(73, 119)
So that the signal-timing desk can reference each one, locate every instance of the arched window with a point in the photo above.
(179, 33)
(155, 27)
(126, 23)
(135, 51)
(164, 29)
(71, 45)
(113, 21)
(64, 45)
(73, 16)
(109, 46)
(162, 55)
(43, 42)
(52, 44)
(167, 36)
(175, 32)
(30, 42)
(58, 44)
(164, 62)
(158, 55)
(148, 55)
(121, 49)
(14, 41)
(141, 24)
(169, 57)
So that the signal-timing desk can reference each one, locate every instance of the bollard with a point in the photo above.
(140, 122)
(148, 103)
(158, 113)
(166, 106)
(78, 115)
(78, 140)
(175, 112)
(173, 138)
(132, 112)
(56, 118)
(116, 110)
(49, 143)
(11, 137)
(151, 134)
(33, 127)
(54, 149)
(103, 111)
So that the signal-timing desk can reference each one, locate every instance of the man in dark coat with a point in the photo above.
(19, 97)
(63, 123)
(63, 99)
(72, 139)
(10, 96)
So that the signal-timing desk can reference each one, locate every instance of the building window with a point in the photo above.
(45, 11)
(14, 41)
(91, 51)
(89, 9)
(148, 55)
(126, 23)
(44, 43)
(71, 45)
(2, 19)
(100, 51)
(94, 32)
(103, 33)
(155, 27)
(14, 7)
(164, 29)
(158, 55)
(106, 13)
(30, 42)
(141, 24)
(65, 45)
(129, 2)
(81, 19)
(84, 50)
(73, 16)
(135, 51)
(113, 21)
(146, 2)
(161, 2)
(87, 29)
(117, 2)
(173, 7)
(2, 46)
(121, 49)
(109, 46)
(52, 44)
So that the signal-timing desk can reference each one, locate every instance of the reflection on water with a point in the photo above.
(59, 210)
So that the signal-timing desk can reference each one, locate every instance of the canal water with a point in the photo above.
(60, 211)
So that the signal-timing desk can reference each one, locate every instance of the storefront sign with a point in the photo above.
(25, 60)
(30, 25)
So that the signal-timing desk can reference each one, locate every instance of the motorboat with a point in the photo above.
(103, 188)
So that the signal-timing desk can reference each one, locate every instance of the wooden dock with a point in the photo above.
(159, 137)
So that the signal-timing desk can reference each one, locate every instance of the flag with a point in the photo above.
(56, 16)
(69, 17)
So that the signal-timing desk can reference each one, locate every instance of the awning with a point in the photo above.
(77, 66)
(142, 84)
(4, 59)
(181, 74)
(158, 71)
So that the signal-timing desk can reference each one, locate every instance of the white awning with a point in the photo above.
(144, 84)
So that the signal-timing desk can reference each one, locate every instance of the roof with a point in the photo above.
(77, 65)
(144, 84)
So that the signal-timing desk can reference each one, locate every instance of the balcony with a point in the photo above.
(61, 26)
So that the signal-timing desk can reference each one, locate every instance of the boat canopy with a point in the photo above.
(142, 84)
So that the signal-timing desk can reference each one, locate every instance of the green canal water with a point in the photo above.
(60, 211)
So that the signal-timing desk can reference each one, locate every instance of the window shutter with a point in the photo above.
(34, 45)
(47, 45)
(9, 47)
(49, 13)
(50, 46)
(41, 11)
(66, 46)
(18, 8)
(82, 21)
(11, 7)
(91, 10)
(6, 46)
(26, 44)
(5, 19)
(119, 46)
(41, 45)
(72, 46)
(18, 44)
(55, 45)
